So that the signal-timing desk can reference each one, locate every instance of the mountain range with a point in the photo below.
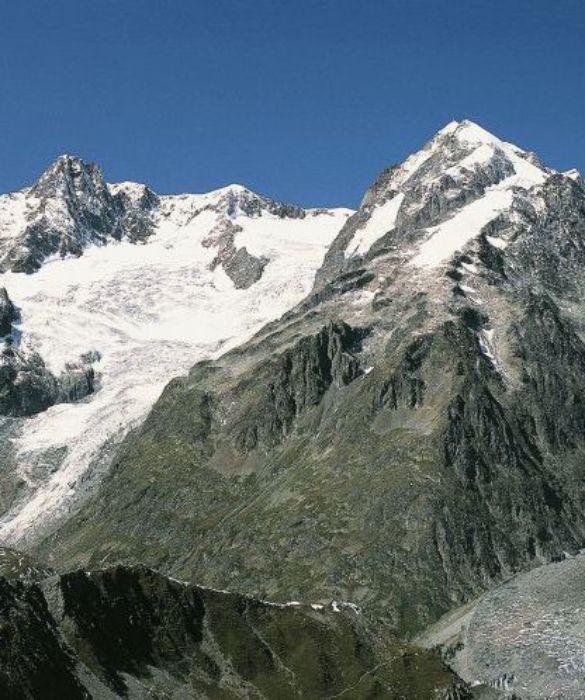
(383, 408)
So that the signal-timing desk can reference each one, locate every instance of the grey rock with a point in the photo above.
(8, 313)
(240, 266)
(16, 565)
(527, 636)
(70, 207)
(243, 268)
(27, 387)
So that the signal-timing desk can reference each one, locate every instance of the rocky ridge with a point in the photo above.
(132, 633)
(71, 207)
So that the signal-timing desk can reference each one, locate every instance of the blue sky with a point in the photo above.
(305, 100)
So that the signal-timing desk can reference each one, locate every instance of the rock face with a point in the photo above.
(68, 208)
(242, 268)
(8, 313)
(16, 565)
(122, 632)
(410, 434)
(28, 387)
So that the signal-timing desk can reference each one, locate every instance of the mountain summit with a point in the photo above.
(407, 210)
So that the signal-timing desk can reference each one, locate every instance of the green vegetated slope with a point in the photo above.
(133, 633)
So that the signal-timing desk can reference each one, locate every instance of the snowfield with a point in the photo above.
(151, 310)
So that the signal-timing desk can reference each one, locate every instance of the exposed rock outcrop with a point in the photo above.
(27, 386)
(71, 207)
(239, 265)
(8, 313)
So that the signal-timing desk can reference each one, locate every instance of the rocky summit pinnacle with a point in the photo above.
(70, 177)
(462, 168)
(69, 208)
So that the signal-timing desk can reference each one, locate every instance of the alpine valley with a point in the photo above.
(250, 450)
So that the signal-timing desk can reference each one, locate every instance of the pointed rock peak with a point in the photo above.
(448, 128)
(136, 194)
(69, 174)
(235, 200)
(467, 131)
(470, 135)
(464, 146)
(234, 191)
(573, 174)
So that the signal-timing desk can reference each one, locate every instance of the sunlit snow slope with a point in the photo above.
(430, 207)
(151, 310)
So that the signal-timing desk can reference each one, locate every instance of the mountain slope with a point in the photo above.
(409, 434)
(127, 289)
(133, 633)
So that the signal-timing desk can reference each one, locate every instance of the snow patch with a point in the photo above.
(470, 267)
(573, 174)
(382, 220)
(340, 605)
(497, 242)
(447, 238)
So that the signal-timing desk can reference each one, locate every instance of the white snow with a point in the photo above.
(339, 605)
(470, 267)
(486, 343)
(468, 133)
(573, 173)
(152, 311)
(134, 190)
(480, 155)
(262, 237)
(447, 238)
(497, 242)
(13, 209)
(381, 221)
(453, 234)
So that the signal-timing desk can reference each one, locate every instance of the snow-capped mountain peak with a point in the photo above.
(143, 285)
(459, 181)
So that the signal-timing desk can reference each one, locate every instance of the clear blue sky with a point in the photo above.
(305, 100)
